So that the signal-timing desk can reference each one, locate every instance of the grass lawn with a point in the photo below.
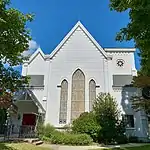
(146, 147)
(20, 146)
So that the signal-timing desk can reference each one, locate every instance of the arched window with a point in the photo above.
(78, 94)
(92, 93)
(63, 102)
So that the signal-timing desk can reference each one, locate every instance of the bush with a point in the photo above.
(133, 139)
(46, 130)
(122, 139)
(70, 139)
(49, 134)
(87, 124)
(44, 138)
(107, 114)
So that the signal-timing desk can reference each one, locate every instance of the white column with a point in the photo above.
(46, 88)
(110, 74)
(105, 71)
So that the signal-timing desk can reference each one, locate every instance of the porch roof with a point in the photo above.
(28, 95)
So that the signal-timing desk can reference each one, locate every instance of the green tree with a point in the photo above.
(108, 116)
(14, 35)
(138, 29)
(14, 38)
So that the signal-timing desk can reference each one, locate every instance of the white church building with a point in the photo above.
(65, 83)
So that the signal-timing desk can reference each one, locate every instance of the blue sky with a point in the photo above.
(54, 19)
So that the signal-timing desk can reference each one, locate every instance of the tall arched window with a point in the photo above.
(92, 93)
(78, 94)
(63, 102)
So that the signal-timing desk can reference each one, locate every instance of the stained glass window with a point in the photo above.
(78, 94)
(92, 93)
(63, 102)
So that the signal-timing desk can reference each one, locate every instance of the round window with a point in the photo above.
(120, 62)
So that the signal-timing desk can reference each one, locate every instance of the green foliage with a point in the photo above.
(12, 79)
(10, 82)
(87, 124)
(49, 134)
(107, 114)
(14, 35)
(139, 102)
(14, 39)
(137, 29)
(70, 139)
(46, 130)
(45, 139)
(133, 139)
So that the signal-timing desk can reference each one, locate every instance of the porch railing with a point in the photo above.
(12, 131)
(27, 131)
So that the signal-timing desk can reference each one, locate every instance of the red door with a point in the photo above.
(29, 119)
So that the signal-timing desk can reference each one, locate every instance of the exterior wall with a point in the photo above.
(38, 66)
(123, 96)
(129, 62)
(77, 52)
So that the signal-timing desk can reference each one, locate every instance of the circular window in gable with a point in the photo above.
(120, 62)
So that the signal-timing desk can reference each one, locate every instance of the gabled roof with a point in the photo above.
(38, 51)
(27, 95)
(79, 24)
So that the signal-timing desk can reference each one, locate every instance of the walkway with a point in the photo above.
(63, 147)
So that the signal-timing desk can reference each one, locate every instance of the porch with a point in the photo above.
(23, 123)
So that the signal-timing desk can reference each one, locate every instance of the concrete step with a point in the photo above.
(35, 140)
(38, 143)
(32, 140)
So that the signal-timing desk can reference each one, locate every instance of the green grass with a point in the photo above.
(146, 147)
(20, 146)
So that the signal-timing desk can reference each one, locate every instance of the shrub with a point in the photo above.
(44, 138)
(70, 139)
(46, 130)
(49, 134)
(133, 139)
(122, 139)
(107, 114)
(67, 128)
(87, 124)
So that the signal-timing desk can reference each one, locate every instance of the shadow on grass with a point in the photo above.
(3, 146)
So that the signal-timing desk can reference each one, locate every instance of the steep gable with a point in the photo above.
(35, 54)
(77, 27)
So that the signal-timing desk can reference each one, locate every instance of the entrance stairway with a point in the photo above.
(35, 141)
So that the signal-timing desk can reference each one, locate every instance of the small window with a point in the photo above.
(120, 62)
(36, 80)
(129, 121)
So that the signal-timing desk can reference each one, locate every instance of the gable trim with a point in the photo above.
(33, 56)
(79, 24)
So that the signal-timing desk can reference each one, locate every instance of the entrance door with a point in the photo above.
(29, 120)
